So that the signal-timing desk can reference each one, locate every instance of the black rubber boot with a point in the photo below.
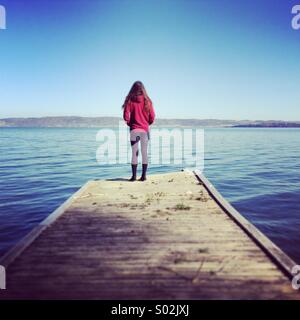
(133, 168)
(143, 177)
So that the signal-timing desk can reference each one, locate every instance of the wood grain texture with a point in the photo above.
(284, 262)
(165, 238)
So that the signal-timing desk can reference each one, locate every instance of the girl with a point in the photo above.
(138, 114)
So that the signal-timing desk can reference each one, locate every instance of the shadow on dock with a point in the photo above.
(118, 179)
(166, 238)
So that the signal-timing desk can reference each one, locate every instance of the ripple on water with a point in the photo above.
(257, 170)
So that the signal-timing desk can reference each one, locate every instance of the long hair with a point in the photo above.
(138, 89)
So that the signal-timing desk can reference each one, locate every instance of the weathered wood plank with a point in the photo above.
(283, 261)
(167, 238)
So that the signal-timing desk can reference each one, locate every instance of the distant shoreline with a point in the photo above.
(95, 122)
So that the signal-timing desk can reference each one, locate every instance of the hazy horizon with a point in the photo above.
(159, 118)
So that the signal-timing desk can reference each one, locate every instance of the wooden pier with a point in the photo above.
(171, 237)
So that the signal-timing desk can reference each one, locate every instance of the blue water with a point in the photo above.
(257, 170)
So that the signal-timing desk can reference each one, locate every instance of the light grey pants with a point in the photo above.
(136, 136)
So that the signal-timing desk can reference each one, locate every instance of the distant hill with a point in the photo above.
(94, 122)
(270, 124)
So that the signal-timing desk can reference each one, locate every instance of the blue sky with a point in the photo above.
(198, 59)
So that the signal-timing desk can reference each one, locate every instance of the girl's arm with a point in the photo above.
(151, 115)
(126, 113)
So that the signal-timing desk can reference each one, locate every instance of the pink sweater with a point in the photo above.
(136, 116)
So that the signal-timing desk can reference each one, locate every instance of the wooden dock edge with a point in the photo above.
(25, 242)
(281, 260)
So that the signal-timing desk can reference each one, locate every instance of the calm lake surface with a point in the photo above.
(257, 170)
